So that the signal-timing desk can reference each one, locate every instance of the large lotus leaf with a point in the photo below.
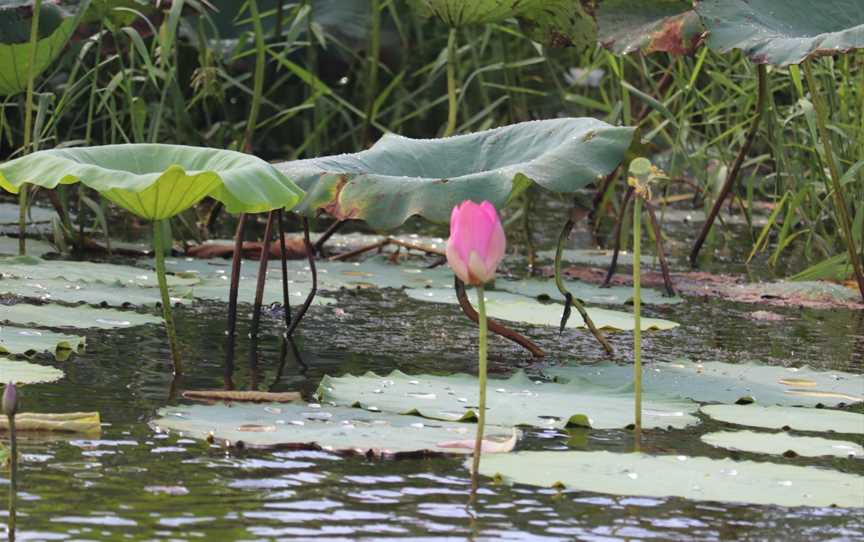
(649, 26)
(782, 444)
(517, 400)
(35, 247)
(28, 342)
(457, 13)
(94, 293)
(158, 181)
(82, 317)
(21, 372)
(28, 267)
(695, 478)
(400, 177)
(797, 418)
(518, 308)
(783, 32)
(714, 381)
(331, 428)
(216, 289)
(587, 292)
(56, 25)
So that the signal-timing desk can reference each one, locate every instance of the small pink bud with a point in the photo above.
(477, 242)
(10, 400)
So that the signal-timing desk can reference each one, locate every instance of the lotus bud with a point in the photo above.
(477, 242)
(10, 400)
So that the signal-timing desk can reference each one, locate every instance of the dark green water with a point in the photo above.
(136, 484)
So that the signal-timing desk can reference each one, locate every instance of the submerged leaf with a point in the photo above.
(331, 428)
(798, 418)
(695, 478)
(29, 342)
(782, 444)
(21, 372)
(517, 400)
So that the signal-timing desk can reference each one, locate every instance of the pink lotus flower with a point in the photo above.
(477, 242)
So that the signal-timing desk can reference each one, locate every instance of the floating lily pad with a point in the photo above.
(587, 292)
(695, 478)
(783, 32)
(21, 372)
(28, 342)
(517, 400)
(517, 308)
(216, 289)
(331, 428)
(65, 422)
(29, 267)
(93, 293)
(400, 177)
(597, 257)
(797, 418)
(782, 444)
(649, 26)
(714, 381)
(35, 247)
(82, 317)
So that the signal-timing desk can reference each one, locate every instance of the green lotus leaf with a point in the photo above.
(595, 257)
(714, 381)
(92, 293)
(29, 342)
(56, 25)
(32, 268)
(797, 418)
(331, 428)
(400, 177)
(587, 292)
(457, 13)
(518, 400)
(82, 317)
(21, 372)
(216, 289)
(649, 26)
(783, 32)
(9, 246)
(158, 181)
(695, 478)
(518, 308)
(782, 444)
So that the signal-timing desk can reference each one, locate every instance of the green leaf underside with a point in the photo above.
(695, 478)
(781, 443)
(82, 317)
(517, 308)
(158, 181)
(28, 267)
(21, 372)
(783, 32)
(649, 26)
(797, 418)
(28, 342)
(515, 401)
(714, 381)
(400, 177)
(331, 428)
(56, 26)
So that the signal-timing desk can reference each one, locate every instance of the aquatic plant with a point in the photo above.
(156, 182)
(474, 250)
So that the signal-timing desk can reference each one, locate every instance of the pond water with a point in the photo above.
(134, 483)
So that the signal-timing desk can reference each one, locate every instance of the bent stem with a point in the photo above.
(637, 314)
(569, 299)
(159, 249)
(453, 104)
(481, 371)
(836, 186)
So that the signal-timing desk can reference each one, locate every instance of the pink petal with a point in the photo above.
(459, 267)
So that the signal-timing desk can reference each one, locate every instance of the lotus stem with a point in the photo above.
(372, 75)
(310, 256)
(569, 299)
(481, 372)
(661, 252)
(530, 250)
(28, 124)
(837, 187)
(637, 312)
(613, 264)
(236, 262)
(286, 298)
(10, 408)
(453, 104)
(159, 247)
(258, 77)
(262, 275)
(496, 327)
(328, 233)
(732, 176)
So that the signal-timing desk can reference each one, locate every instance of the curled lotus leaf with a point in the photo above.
(650, 26)
(783, 32)
(56, 25)
(694, 478)
(400, 177)
(157, 181)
